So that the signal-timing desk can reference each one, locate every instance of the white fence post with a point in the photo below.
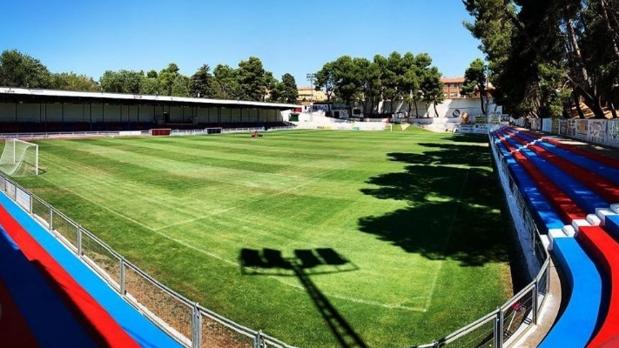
(196, 321)
(498, 331)
(51, 218)
(123, 289)
(79, 241)
(258, 340)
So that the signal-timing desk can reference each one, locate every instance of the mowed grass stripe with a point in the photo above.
(183, 208)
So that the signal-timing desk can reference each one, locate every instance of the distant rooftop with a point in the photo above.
(459, 79)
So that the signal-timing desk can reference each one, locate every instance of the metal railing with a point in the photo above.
(210, 131)
(503, 325)
(189, 323)
(76, 134)
(175, 132)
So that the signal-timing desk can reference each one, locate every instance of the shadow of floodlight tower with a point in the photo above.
(302, 265)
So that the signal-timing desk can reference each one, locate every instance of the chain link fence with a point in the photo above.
(189, 323)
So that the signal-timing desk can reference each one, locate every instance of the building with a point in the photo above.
(39, 110)
(308, 95)
(452, 87)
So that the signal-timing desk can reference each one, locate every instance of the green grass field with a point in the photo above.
(397, 238)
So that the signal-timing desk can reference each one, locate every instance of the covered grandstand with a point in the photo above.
(40, 110)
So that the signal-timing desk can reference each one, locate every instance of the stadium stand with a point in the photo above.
(580, 273)
(116, 322)
(27, 288)
(579, 181)
(598, 168)
(600, 185)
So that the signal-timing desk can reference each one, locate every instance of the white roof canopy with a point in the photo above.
(138, 97)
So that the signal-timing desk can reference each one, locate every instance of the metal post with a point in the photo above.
(258, 340)
(196, 324)
(31, 199)
(534, 302)
(79, 240)
(498, 329)
(51, 219)
(123, 289)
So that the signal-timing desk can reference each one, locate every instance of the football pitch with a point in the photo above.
(318, 238)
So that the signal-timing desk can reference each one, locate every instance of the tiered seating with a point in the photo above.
(577, 185)
(583, 306)
(39, 309)
(115, 322)
(610, 172)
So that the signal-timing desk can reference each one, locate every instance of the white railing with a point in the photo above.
(504, 325)
(189, 323)
(175, 132)
(84, 134)
(211, 131)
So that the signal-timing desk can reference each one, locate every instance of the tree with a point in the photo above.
(432, 88)
(74, 82)
(370, 83)
(410, 81)
(290, 92)
(150, 85)
(276, 91)
(347, 79)
(475, 80)
(542, 52)
(123, 81)
(325, 79)
(392, 78)
(167, 77)
(202, 83)
(225, 84)
(252, 79)
(21, 70)
(181, 86)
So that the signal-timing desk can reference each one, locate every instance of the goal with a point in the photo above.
(19, 158)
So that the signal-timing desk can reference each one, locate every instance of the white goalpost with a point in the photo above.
(19, 158)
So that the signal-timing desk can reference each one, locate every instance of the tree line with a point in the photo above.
(249, 81)
(396, 78)
(547, 57)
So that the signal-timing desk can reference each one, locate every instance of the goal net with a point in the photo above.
(19, 158)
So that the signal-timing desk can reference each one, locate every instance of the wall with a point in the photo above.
(602, 132)
(445, 109)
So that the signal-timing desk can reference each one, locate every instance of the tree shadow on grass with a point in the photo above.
(470, 138)
(304, 263)
(453, 211)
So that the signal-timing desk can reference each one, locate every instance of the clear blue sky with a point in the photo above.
(296, 36)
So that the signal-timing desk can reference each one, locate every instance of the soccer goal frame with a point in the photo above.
(17, 154)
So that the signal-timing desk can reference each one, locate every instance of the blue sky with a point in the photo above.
(296, 36)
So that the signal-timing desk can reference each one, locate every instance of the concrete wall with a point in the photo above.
(445, 109)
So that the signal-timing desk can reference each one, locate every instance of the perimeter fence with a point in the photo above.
(188, 322)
